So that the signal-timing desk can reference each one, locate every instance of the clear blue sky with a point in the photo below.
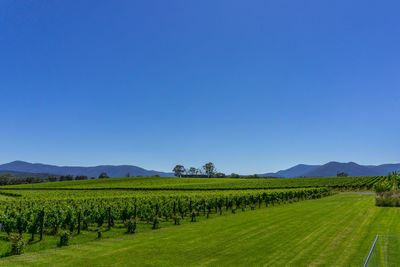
(253, 86)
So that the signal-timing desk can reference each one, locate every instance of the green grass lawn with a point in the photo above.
(333, 231)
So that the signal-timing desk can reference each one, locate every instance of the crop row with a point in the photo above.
(75, 214)
(165, 183)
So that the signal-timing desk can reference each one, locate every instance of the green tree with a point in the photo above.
(193, 171)
(209, 169)
(179, 170)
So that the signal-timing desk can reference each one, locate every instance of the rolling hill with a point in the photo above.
(332, 168)
(111, 170)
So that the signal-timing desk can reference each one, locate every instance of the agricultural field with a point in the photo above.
(157, 183)
(211, 221)
(300, 234)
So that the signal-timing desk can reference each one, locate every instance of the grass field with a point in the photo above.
(333, 231)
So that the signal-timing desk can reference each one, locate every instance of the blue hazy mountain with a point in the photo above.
(293, 171)
(302, 170)
(111, 170)
(332, 168)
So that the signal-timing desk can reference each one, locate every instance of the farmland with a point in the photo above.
(299, 234)
(157, 183)
(116, 213)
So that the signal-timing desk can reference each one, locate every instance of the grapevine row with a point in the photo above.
(49, 217)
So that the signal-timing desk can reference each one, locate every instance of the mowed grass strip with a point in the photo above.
(333, 231)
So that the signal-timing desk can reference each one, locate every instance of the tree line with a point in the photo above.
(8, 179)
(208, 170)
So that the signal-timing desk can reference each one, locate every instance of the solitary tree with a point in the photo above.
(179, 170)
(209, 169)
(234, 175)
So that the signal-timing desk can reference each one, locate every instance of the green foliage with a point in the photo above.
(334, 231)
(131, 226)
(64, 238)
(382, 187)
(8, 179)
(209, 169)
(58, 211)
(17, 245)
(143, 183)
(387, 190)
(156, 222)
(193, 171)
(179, 170)
(394, 179)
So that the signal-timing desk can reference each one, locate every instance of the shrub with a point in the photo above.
(388, 199)
(64, 238)
(156, 223)
(131, 226)
(17, 245)
(395, 199)
(177, 220)
(382, 187)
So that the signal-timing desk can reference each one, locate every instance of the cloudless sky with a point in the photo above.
(253, 86)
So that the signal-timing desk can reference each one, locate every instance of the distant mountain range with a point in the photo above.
(332, 168)
(25, 169)
(19, 167)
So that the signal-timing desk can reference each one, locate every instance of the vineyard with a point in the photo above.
(49, 215)
(66, 213)
(164, 183)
